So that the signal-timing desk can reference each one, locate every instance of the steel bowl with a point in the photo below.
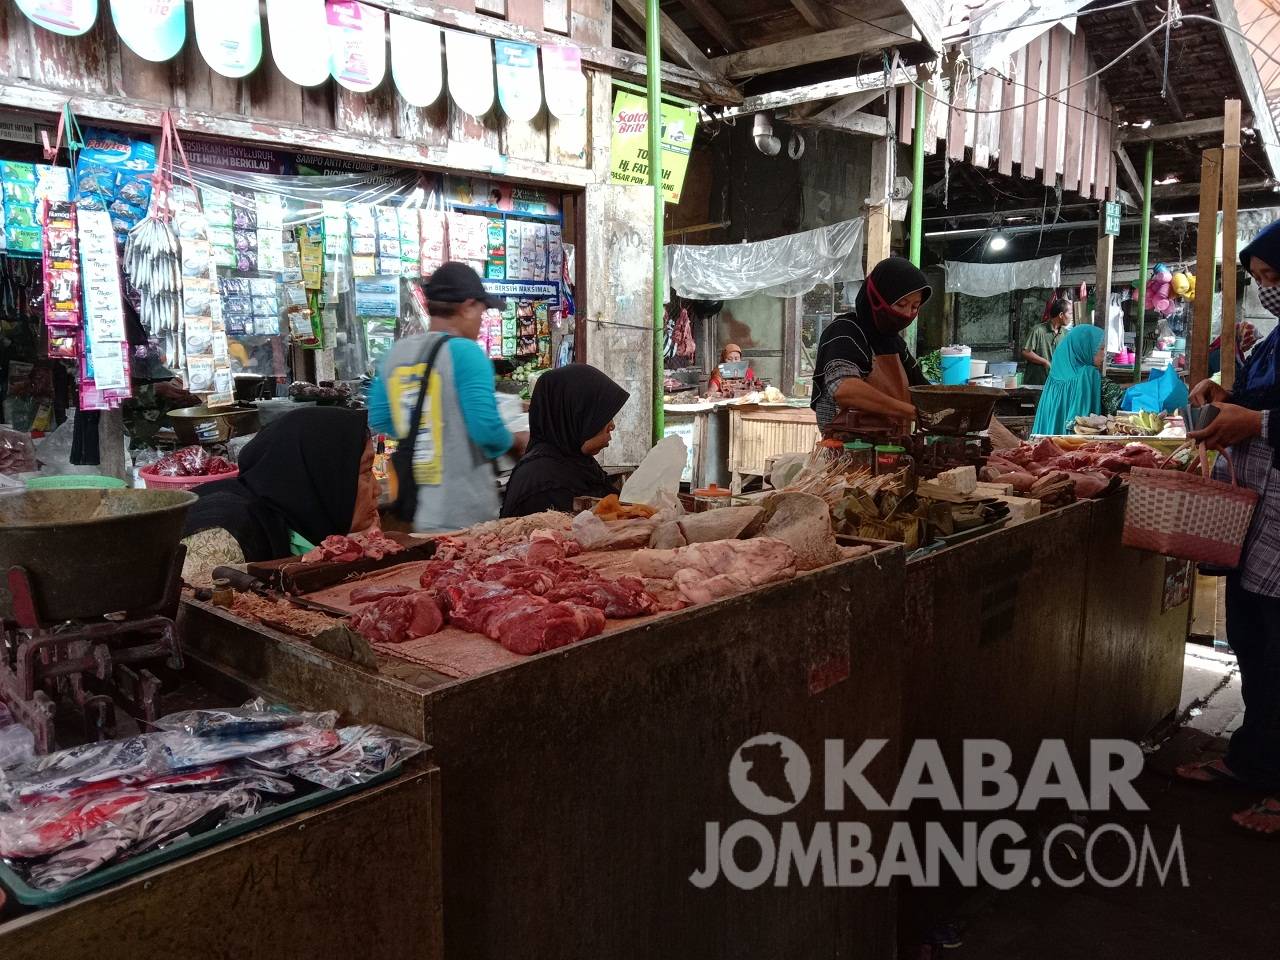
(202, 424)
(955, 410)
(91, 552)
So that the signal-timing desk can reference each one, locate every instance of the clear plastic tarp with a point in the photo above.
(787, 266)
(993, 279)
(1002, 27)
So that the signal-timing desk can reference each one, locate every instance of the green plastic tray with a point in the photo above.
(31, 897)
(76, 481)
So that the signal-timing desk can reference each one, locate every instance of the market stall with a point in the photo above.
(600, 763)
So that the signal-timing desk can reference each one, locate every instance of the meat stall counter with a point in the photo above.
(589, 774)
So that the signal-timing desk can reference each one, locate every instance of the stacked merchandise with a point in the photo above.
(62, 309)
(204, 341)
(113, 174)
(104, 357)
(68, 814)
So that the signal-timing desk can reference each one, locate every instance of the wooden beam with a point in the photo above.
(1206, 263)
(1156, 61)
(847, 106)
(1130, 173)
(818, 91)
(714, 23)
(863, 124)
(879, 230)
(1181, 191)
(1171, 131)
(801, 51)
(928, 17)
(674, 40)
(1230, 209)
(286, 136)
(1250, 83)
(813, 14)
(632, 37)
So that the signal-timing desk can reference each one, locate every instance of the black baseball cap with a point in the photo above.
(456, 283)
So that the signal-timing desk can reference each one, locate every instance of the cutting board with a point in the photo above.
(293, 576)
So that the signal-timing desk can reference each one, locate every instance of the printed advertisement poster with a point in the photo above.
(155, 31)
(566, 83)
(630, 146)
(299, 40)
(357, 44)
(519, 91)
(229, 35)
(67, 17)
(416, 60)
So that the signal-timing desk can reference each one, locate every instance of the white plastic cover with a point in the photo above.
(993, 279)
(787, 266)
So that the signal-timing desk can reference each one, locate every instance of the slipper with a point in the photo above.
(1262, 818)
(1206, 771)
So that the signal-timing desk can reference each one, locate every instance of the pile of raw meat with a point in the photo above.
(371, 545)
(1094, 468)
(529, 598)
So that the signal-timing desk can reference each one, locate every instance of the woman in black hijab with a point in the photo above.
(863, 368)
(570, 421)
(304, 477)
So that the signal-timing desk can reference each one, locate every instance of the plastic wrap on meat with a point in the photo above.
(36, 831)
(256, 716)
(186, 752)
(316, 745)
(59, 775)
(366, 752)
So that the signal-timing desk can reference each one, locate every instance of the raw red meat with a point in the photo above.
(369, 594)
(395, 619)
(521, 622)
(371, 545)
(624, 597)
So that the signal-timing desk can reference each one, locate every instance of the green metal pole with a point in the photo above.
(917, 179)
(917, 202)
(1143, 253)
(654, 68)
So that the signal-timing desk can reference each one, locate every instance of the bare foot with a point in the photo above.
(1262, 818)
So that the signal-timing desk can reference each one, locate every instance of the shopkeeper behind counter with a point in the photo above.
(864, 372)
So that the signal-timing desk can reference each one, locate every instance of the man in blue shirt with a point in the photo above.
(460, 432)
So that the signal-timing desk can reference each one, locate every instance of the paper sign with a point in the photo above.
(67, 17)
(155, 30)
(229, 35)
(416, 65)
(519, 89)
(565, 81)
(299, 32)
(629, 151)
(357, 44)
(469, 58)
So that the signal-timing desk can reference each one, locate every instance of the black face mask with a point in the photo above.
(884, 315)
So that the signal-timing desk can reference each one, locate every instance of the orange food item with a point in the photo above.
(611, 508)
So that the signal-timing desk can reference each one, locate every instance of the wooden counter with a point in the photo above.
(578, 783)
(331, 882)
(758, 434)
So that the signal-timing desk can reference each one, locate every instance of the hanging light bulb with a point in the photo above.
(998, 243)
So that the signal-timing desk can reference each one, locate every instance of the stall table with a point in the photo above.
(578, 783)
(758, 433)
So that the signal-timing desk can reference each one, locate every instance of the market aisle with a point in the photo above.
(1222, 913)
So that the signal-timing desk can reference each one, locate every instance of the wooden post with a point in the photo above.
(1102, 284)
(1206, 262)
(878, 229)
(111, 457)
(1230, 205)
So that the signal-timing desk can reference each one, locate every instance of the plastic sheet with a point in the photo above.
(185, 752)
(17, 743)
(256, 716)
(993, 279)
(65, 773)
(782, 267)
(367, 752)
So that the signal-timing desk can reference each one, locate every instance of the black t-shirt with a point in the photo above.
(847, 348)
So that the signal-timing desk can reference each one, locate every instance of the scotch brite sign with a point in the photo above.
(630, 148)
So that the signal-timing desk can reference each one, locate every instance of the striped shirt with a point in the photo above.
(848, 348)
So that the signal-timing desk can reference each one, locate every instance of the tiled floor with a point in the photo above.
(1228, 910)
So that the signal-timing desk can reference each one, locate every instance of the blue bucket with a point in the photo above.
(955, 370)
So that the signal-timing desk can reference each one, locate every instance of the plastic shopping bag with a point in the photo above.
(1162, 392)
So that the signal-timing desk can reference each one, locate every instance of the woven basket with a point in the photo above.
(1188, 516)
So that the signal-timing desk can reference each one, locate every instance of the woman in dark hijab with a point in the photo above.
(304, 477)
(1248, 426)
(570, 421)
(864, 369)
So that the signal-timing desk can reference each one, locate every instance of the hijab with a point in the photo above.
(570, 405)
(1257, 381)
(890, 280)
(299, 473)
(1074, 387)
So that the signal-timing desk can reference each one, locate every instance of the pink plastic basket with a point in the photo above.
(154, 482)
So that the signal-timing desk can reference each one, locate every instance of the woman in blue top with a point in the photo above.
(1074, 387)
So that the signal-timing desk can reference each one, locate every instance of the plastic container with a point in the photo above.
(977, 368)
(890, 458)
(710, 498)
(154, 482)
(76, 481)
(861, 453)
(956, 362)
(1002, 368)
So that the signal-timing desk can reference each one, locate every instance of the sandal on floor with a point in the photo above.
(1206, 771)
(1262, 818)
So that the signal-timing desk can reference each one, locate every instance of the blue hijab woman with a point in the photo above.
(1074, 387)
